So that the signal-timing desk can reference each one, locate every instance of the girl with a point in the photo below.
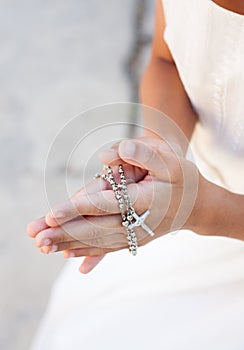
(184, 291)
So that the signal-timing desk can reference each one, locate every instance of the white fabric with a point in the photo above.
(182, 291)
(207, 43)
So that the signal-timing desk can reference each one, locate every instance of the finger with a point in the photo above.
(144, 195)
(99, 203)
(74, 246)
(80, 249)
(83, 250)
(96, 198)
(54, 235)
(34, 227)
(110, 155)
(95, 230)
(92, 231)
(44, 251)
(153, 155)
(60, 213)
(90, 262)
(89, 249)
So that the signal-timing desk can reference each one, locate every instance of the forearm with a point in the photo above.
(162, 89)
(217, 212)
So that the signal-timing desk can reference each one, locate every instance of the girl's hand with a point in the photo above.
(44, 223)
(163, 182)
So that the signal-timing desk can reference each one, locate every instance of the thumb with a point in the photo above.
(146, 155)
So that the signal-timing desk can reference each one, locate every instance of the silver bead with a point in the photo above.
(126, 210)
(96, 176)
(125, 223)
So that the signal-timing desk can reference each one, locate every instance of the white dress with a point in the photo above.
(182, 291)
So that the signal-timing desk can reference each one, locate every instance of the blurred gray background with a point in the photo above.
(57, 59)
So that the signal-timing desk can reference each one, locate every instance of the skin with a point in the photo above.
(157, 180)
(236, 6)
(215, 211)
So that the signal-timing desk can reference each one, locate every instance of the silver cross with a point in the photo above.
(140, 222)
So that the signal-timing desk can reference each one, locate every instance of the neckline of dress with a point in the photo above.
(224, 10)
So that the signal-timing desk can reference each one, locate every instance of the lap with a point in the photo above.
(181, 288)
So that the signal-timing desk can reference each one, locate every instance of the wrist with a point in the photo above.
(206, 216)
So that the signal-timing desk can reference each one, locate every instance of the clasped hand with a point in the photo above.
(89, 224)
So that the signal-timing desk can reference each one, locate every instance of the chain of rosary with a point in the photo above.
(126, 209)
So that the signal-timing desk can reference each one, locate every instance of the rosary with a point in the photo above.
(130, 219)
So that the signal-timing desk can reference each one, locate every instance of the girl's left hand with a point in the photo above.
(90, 224)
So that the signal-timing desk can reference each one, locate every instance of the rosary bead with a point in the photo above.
(126, 210)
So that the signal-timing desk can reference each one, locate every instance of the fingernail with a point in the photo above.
(46, 242)
(108, 150)
(44, 250)
(109, 154)
(54, 248)
(127, 148)
(58, 214)
(71, 255)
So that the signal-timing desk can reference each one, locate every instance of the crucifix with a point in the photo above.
(139, 221)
